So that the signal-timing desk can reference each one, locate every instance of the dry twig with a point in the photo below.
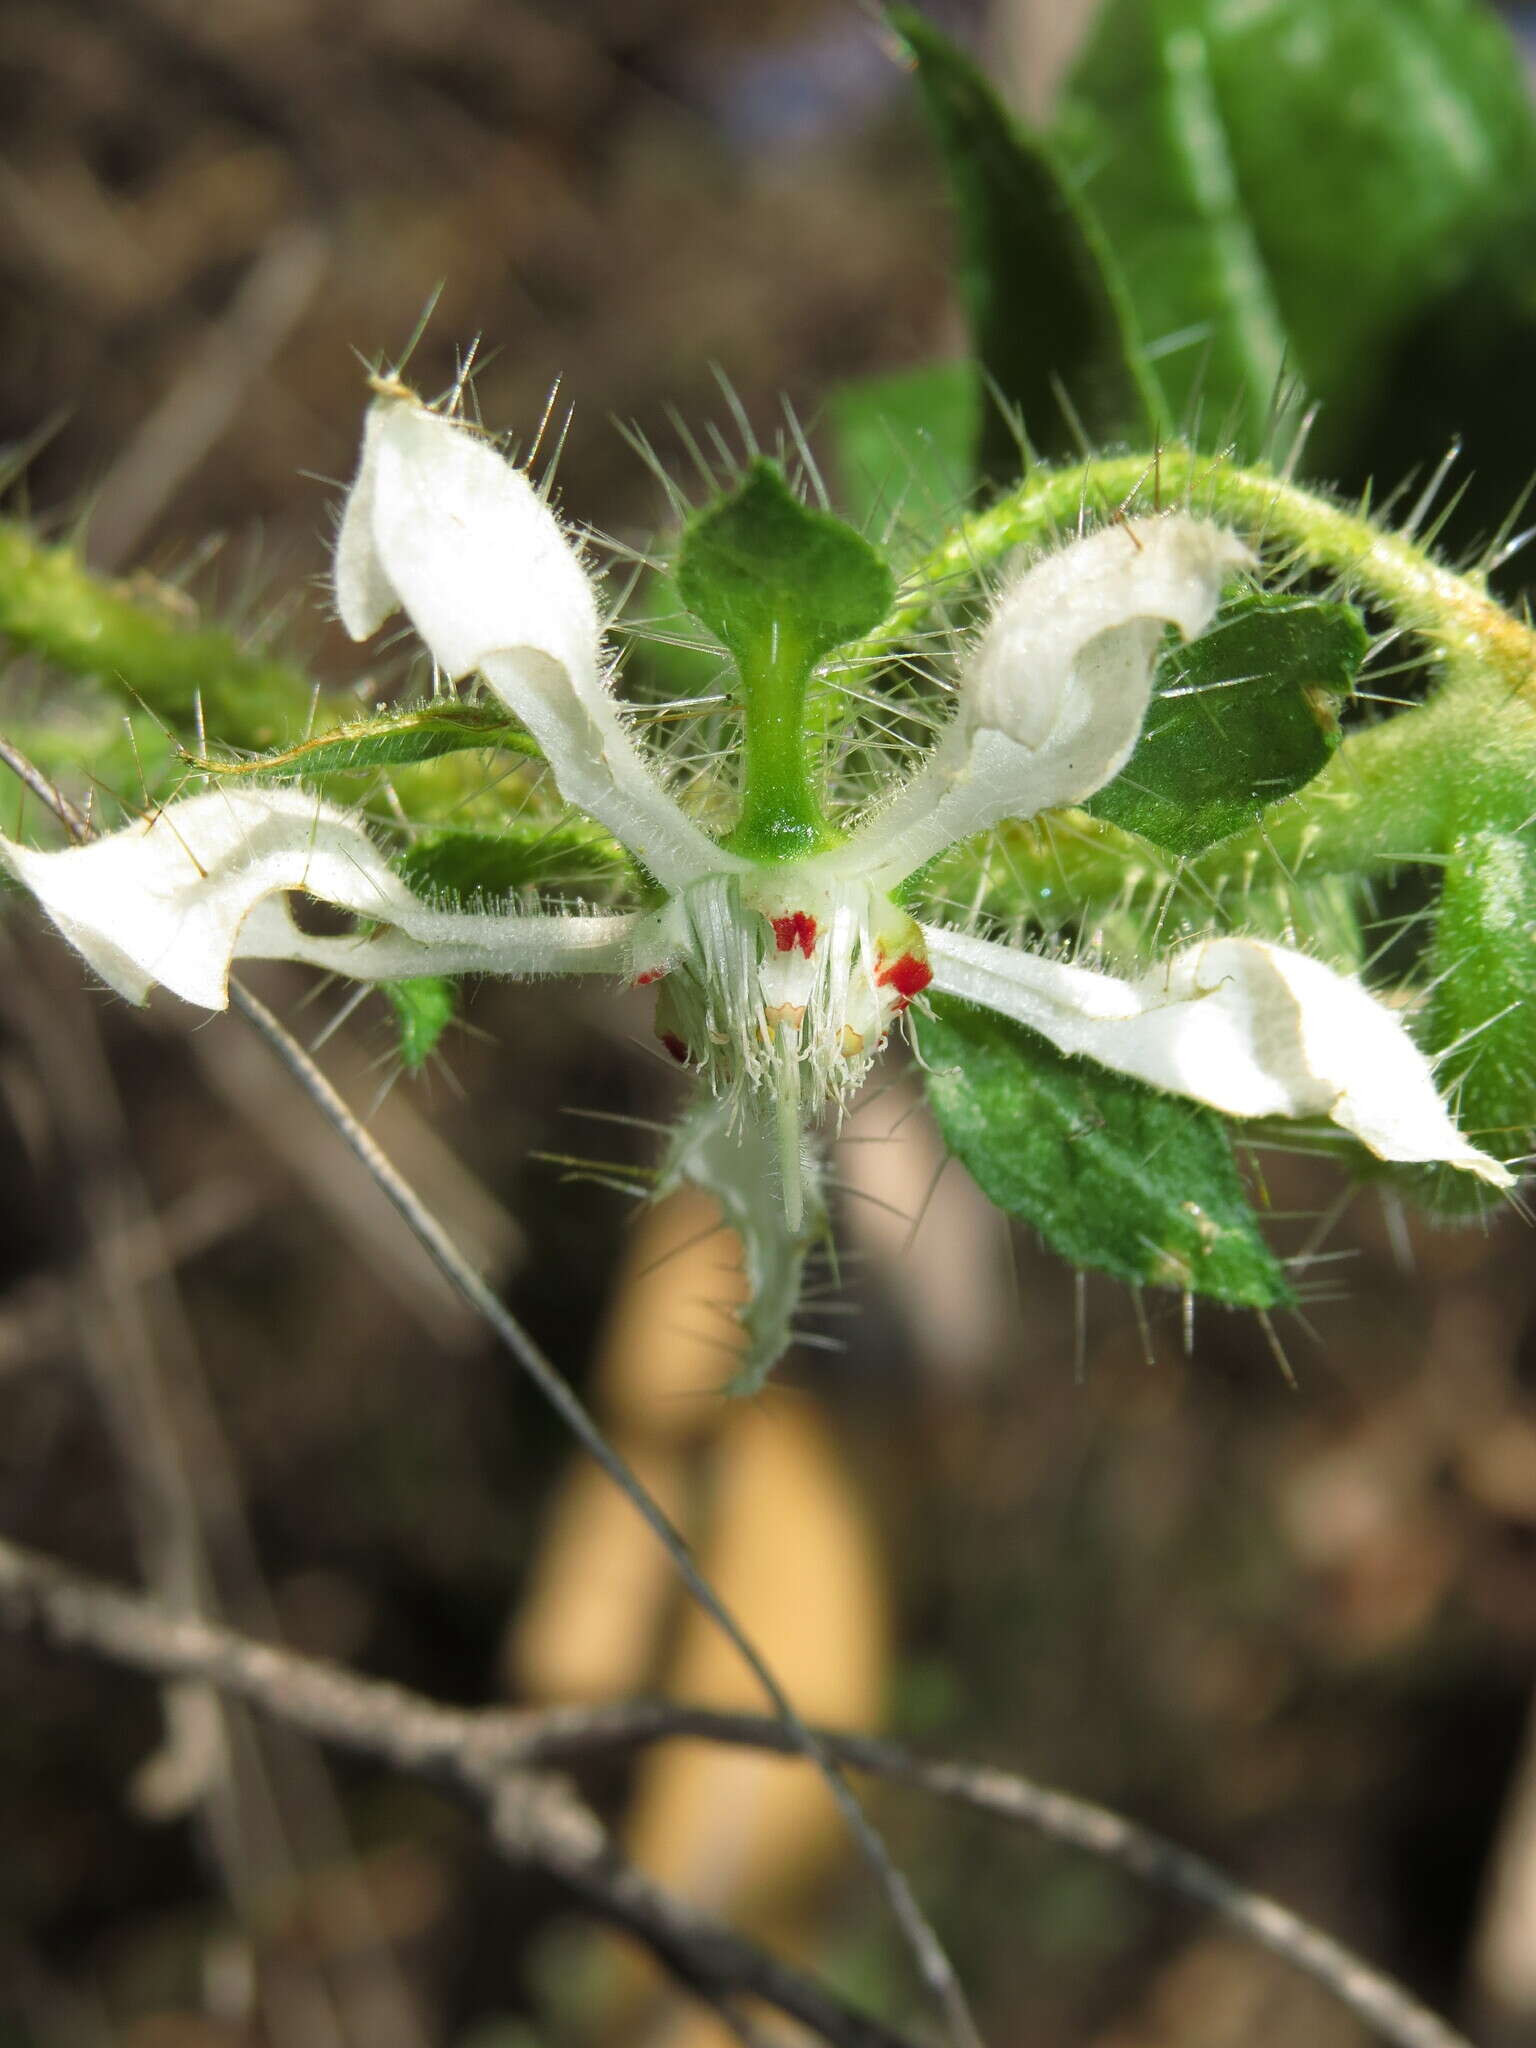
(505, 1759)
(535, 1817)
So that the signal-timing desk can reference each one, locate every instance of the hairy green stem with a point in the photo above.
(1400, 790)
(175, 675)
(52, 606)
(1454, 611)
(781, 812)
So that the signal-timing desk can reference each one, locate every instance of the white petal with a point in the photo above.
(1053, 697)
(365, 597)
(175, 898)
(469, 549)
(1063, 665)
(1252, 1029)
(441, 525)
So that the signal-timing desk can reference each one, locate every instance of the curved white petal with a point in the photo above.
(174, 899)
(1250, 1028)
(439, 524)
(1053, 696)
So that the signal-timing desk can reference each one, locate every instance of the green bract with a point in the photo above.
(392, 740)
(780, 586)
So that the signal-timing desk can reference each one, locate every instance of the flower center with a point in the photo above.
(773, 982)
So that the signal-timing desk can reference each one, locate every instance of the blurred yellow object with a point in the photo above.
(760, 1490)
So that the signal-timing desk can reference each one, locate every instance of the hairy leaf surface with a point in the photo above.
(1243, 716)
(1111, 1173)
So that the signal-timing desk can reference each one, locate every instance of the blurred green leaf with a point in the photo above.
(1294, 183)
(668, 656)
(390, 740)
(904, 448)
(486, 866)
(423, 1011)
(1049, 314)
(1243, 716)
(1112, 1174)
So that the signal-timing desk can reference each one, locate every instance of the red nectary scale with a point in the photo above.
(798, 928)
(908, 975)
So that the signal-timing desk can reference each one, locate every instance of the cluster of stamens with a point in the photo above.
(771, 978)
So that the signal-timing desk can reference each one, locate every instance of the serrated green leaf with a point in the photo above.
(780, 586)
(904, 448)
(471, 867)
(391, 740)
(1481, 1014)
(1289, 185)
(1049, 314)
(1111, 1173)
(423, 1010)
(1241, 717)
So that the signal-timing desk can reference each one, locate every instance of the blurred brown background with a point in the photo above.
(1294, 1629)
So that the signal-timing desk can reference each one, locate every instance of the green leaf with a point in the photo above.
(487, 866)
(423, 1011)
(904, 448)
(1111, 1173)
(780, 586)
(389, 741)
(1482, 1012)
(1290, 184)
(1049, 314)
(1243, 716)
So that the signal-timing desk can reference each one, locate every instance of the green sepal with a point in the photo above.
(780, 586)
(391, 740)
(423, 1010)
(1052, 325)
(737, 1161)
(1111, 1173)
(1241, 717)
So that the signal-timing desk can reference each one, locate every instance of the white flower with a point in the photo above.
(778, 983)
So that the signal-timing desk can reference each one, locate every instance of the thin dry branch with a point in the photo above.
(535, 1817)
(504, 1758)
(564, 1734)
